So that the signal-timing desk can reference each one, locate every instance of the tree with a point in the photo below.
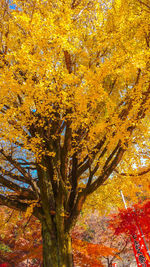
(133, 221)
(125, 220)
(74, 80)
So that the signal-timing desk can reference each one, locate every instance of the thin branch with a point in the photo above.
(65, 149)
(23, 192)
(84, 165)
(14, 204)
(92, 172)
(106, 172)
(144, 4)
(68, 61)
(15, 176)
(133, 174)
(18, 205)
(16, 165)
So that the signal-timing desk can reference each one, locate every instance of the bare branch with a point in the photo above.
(134, 174)
(143, 3)
(106, 172)
(23, 192)
(16, 165)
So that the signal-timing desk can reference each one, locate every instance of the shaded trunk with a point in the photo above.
(57, 249)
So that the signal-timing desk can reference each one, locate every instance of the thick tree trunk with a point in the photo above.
(57, 250)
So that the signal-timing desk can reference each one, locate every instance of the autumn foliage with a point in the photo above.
(21, 240)
(19, 236)
(75, 100)
(89, 254)
(126, 220)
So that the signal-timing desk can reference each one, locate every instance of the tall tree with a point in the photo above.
(74, 78)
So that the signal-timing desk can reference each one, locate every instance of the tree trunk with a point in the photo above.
(57, 249)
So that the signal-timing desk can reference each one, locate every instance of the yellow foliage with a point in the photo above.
(29, 211)
(74, 102)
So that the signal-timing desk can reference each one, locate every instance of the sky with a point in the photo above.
(11, 5)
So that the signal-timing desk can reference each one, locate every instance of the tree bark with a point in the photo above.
(57, 248)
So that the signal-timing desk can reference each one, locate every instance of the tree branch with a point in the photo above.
(16, 165)
(106, 172)
(14, 176)
(144, 4)
(14, 204)
(132, 174)
(64, 151)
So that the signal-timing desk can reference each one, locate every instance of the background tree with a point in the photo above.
(74, 80)
(125, 220)
(132, 221)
